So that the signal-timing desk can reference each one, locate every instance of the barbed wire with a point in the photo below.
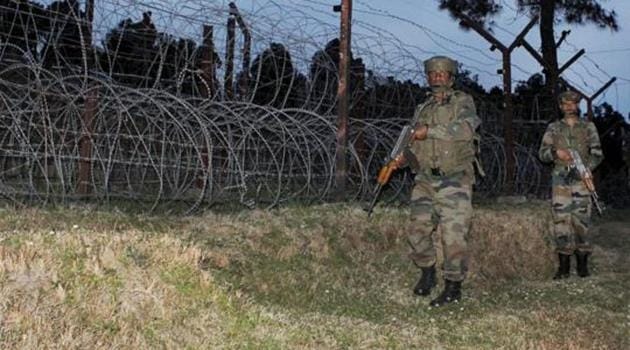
(141, 105)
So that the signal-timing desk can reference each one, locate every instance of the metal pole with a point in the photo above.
(342, 96)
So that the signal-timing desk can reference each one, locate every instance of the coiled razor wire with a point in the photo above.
(155, 136)
(153, 147)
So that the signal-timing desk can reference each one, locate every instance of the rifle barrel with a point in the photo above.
(377, 192)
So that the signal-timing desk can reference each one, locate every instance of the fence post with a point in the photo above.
(207, 65)
(229, 58)
(91, 103)
(243, 83)
(342, 96)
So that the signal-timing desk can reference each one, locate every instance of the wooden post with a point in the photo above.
(91, 104)
(508, 131)
(342, 96)
(243, 83)
(229, 59)
(570, 61)
(207, 63)
(85, 142)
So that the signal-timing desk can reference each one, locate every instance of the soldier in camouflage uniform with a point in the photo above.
(442, 158)
(571, 202)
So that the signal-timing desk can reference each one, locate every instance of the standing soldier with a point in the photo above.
(442, 158)
(571, 202)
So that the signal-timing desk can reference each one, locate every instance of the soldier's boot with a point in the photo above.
(426, 282)
(582, 264)
(452, 292)
(564, 267)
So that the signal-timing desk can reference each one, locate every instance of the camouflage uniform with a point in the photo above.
(571, 203)
(443, 184)
(442, 158)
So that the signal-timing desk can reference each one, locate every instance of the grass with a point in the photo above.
(320, 277)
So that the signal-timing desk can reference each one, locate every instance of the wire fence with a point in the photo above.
(165, 106)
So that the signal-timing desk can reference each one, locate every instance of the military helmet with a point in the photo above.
(440, 63)
(569, 96)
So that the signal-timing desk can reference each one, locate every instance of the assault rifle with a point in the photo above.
(587, 178)
(404, 139)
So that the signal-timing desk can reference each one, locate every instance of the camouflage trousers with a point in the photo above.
(443, 202)
(571, 207)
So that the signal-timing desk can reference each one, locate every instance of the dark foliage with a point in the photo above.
(550, 11)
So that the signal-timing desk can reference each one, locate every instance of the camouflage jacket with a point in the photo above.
(452, 126)
(582, 137)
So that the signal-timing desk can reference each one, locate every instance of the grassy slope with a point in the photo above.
(320, 277)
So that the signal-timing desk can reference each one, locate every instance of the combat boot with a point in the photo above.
(564, 267)
(582, 264)
(426, 282)
(452, 292)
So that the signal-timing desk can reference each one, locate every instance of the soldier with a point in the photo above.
(571, 202)
(442, 158)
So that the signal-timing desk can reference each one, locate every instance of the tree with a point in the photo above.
(64, 44)
(272, 75)
(526, 96)
(468, 82)
(176, 60)
(20, 24)
(571, 11)
(131, 50)
(324, 77)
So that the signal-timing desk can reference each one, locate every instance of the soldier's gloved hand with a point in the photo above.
(563, 155)
(397, 162)
(386, 171)
(421, 133)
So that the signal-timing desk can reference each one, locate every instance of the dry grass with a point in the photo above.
(511, 242)
(83, 289)
(319, 277)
